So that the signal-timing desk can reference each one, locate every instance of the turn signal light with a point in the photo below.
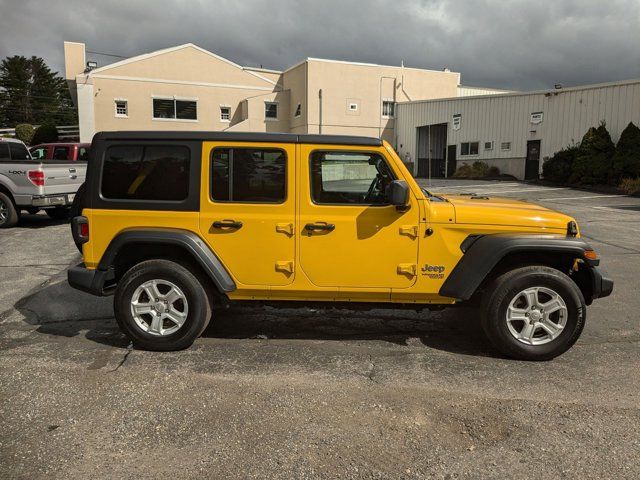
(36, 177)
(590, 255)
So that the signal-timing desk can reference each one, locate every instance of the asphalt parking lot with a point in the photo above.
(316, 394)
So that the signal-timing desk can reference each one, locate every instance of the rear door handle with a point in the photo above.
(323, 227)
(227, 224)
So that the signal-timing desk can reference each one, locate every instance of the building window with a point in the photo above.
(270, 110)
(388, 108)
(353, 107)
(225, 113)
(488, 145)
(469, 148)
(298, 110)
(505, 146)
(121, 108)
(250, 175)
(174, 109)
(150, 172)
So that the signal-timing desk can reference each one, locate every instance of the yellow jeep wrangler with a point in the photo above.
(174, 222)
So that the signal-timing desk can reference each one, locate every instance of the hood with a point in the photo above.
(506, 211)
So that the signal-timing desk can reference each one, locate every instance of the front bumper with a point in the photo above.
(601, 284)
(95, 282)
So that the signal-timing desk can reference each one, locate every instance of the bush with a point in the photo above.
(493, 171)
(594, 160)
(630, 185)
(626, 160)
(25, 132)
(559, 168)
(46, 133)
(476, 170)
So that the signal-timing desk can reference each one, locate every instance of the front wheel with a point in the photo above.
(161, 305)
(533, 313)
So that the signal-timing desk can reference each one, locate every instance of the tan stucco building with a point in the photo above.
(189, 88)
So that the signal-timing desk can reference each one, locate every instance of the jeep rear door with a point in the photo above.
(350, 237)
(247, 209)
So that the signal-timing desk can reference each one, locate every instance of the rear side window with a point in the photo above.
(4, 151)
(83, 154)
(251, 175)
(19, 151)
(146, 172)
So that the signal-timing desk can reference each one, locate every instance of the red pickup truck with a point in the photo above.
(61, 151)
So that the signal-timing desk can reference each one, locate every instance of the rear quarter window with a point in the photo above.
(19, 152)
(4, 151)
(146, 172)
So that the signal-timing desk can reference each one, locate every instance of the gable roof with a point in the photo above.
(146, 56)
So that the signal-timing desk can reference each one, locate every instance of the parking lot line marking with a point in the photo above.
(486, 185)
(579, 198)
(520, 190)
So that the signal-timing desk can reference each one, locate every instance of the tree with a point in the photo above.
(46, 133)
(594, 160)
(31, 93)
(559, 167)
(626, 160)
(25, 132)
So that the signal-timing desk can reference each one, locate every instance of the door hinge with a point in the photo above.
(284, 266)
(407, 269)
(409, 230)
(286, 228)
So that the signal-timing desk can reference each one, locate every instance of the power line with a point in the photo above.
(106, 54)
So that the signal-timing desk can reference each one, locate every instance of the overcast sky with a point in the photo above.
(519, 44)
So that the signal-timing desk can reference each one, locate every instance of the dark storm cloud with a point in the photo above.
(510, 44)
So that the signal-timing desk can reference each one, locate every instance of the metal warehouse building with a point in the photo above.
(514, 131)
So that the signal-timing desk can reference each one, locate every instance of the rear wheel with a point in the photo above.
(533, 313)
(161, 305)
(9, 215)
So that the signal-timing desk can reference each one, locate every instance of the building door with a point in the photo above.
(247, 209)
(350, 237)
(532, 163)
(451, 160)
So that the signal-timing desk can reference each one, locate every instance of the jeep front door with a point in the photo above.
(247, 210)
(350, 236)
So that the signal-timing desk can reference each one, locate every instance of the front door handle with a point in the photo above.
(323, 227)
(227, 224)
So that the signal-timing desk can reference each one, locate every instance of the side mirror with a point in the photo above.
(398, 194)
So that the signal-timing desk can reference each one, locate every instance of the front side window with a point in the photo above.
(359, 178)
(388, 108)
(61, 153)
(172, 109)
(270, 110)
(19, 151)
(469, 148)
(146, 172)
(251, 175)
(4, 151)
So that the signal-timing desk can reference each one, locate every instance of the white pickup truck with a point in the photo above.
(32, 185)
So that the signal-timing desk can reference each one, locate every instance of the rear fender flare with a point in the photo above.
(187, 240)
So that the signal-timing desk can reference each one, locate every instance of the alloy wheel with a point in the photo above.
(536, 315)
(159, 307)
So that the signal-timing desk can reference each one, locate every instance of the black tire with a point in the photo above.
(199, 308)
(58, 213)
(78, 202)
(506, 288)
(9, 213)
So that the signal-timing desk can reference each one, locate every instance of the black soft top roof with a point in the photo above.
(239, 137)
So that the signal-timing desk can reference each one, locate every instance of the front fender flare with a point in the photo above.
(482, 254)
